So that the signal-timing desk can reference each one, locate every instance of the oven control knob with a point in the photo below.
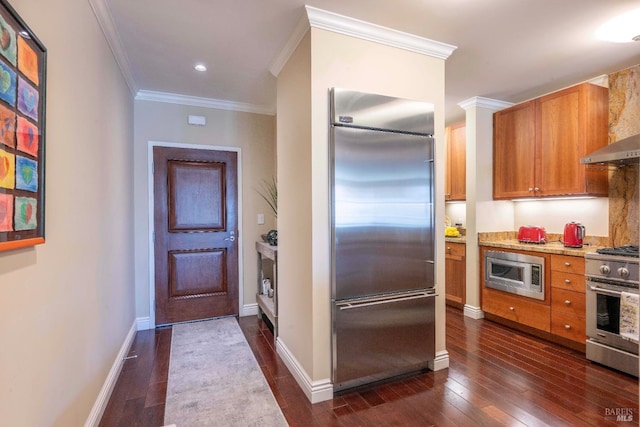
(604, 269)
(623, 272)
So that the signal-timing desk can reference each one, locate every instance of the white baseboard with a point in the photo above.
(441, 361)
(316, 391)
(249, 310)
(143, 323)
(473, 312)
(107, 388)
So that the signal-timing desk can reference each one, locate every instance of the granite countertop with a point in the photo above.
(459, 239)
(553, 247)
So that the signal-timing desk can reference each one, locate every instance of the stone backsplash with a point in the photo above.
(624, 183)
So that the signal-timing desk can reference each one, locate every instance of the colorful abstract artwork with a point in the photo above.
(7, 84)
(7, 126)
(28, 61)
(26, 174)
(7, 170)
(22, 133)
(25, 213)
(6, 212)
(7, 40)
(28, 98)
(27, 137)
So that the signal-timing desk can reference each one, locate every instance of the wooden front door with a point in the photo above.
(196, 234)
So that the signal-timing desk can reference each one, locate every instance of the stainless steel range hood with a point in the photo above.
(620, 153)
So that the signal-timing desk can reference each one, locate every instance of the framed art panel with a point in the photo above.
(22, 130)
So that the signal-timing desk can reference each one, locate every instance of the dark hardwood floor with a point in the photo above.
(496, 376)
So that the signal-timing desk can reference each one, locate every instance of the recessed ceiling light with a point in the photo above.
(200, 67)
(621, 29)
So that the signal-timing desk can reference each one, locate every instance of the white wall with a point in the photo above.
(593, 213)
(67, 305)
(554, 214)
(295, 239)
(457, 212)
(254, 134)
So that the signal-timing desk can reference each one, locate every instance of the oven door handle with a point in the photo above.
(605, 291)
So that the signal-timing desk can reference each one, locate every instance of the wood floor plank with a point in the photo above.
(496, 376)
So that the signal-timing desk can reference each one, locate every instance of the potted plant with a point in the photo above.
(269, 193)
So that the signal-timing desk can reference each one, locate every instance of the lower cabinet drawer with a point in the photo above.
(569, 326)
(567, 264)
(569, 281)
(517, 309)
(568, 302)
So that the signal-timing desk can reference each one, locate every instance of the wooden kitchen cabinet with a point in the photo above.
(519, 309)
(455, 180)
(568, 298)
(514, 151)
(560, 317)
(538, 145)
(455, 274)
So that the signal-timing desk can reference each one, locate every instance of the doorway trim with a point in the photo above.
(151, 245)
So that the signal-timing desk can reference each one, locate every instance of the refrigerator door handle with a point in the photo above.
(384, 300)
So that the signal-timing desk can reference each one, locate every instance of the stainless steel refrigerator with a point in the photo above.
(382, 237)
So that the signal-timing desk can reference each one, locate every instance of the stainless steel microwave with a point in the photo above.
(515, 273)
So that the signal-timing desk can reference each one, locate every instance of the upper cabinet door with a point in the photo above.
(558, 170)
(514, 151)
(456, 163)
(538, 145)
(569, 125)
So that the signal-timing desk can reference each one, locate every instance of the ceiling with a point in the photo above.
(506, 50)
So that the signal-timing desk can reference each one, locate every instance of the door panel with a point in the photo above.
(195, 223)
(378, 339)
(382, 193)
(196, 196)
(514, 151)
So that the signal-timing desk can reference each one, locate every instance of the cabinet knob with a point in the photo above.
(567, 281)
(512, 309)
(530, 188)
(567, 302)
(567, 264)
(567, 327)
(536, 189)
(449, 248)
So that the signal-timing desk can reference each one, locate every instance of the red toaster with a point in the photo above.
(532, 234)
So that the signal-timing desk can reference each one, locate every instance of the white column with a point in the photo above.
(482, 211)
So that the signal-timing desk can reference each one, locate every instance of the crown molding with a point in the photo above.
(195, 101)
(278, 63)
(318, 18)
(488, 103)
(105, 19)
(364, 30)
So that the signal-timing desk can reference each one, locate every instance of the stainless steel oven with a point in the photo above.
(609, 277)
(515, 273)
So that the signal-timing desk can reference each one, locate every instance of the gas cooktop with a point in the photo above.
(626, 250)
